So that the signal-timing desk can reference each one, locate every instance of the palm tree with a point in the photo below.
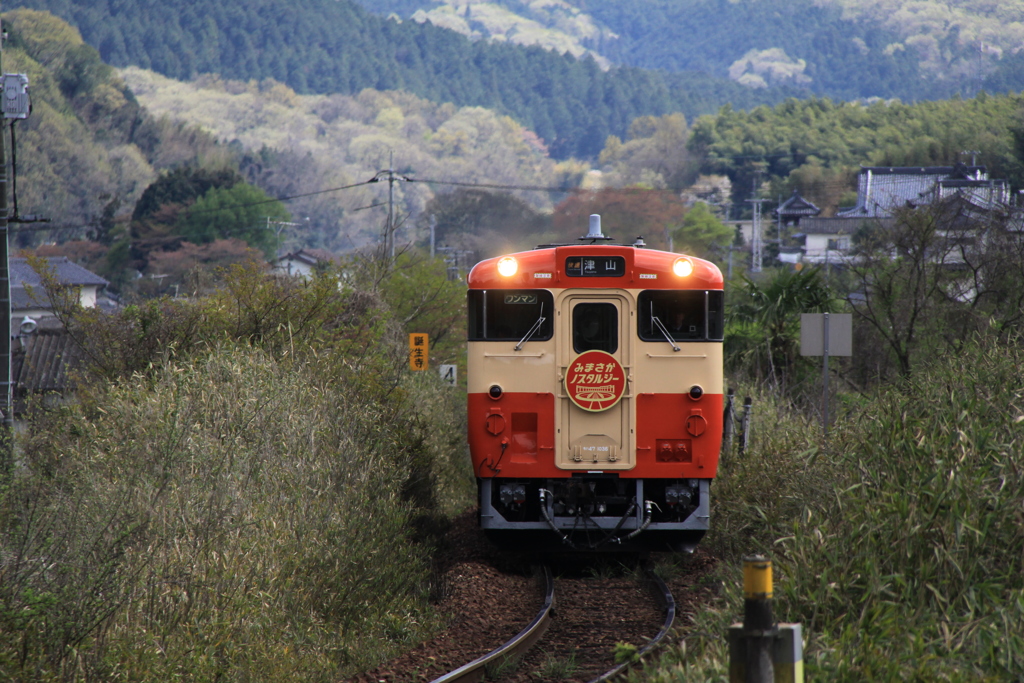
(764, 324)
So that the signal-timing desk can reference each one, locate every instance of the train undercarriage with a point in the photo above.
(596, 512)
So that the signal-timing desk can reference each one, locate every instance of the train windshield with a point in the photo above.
(510, 314)
(686, 315)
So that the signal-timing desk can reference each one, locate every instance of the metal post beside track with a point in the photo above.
(728, 420)
(761, 651)
(748, 409)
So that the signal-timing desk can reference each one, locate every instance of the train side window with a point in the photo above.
(687, 315)
(716, 315)
(595, 327)
(508, 314)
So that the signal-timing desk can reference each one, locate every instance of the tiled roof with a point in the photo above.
(311, 256)
(796, 206)
(883, 189)
(67, 272)
(42, 363)
(27, 288)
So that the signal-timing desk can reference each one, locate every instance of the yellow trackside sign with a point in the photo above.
(419, 347)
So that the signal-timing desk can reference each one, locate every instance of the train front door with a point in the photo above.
(594, 365)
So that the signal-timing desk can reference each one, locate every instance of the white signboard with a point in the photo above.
(449, 374)
(812, 334)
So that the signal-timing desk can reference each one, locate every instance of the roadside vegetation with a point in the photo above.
(249, 486)
(898, 544)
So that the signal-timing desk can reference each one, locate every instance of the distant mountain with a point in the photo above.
(844, 49)
(335, 46)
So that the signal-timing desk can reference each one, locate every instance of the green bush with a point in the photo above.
(241, 496)
(900, 550)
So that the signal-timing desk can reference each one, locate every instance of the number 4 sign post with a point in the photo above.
(419, 348)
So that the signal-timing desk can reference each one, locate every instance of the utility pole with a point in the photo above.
(392, 178)
(7, 437)
(756, 242)
(391, 201)
(433, 230)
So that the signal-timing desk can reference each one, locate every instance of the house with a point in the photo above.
(29, 300)
(881, 190)
(304, 262)
(42, 363)
(793, 209)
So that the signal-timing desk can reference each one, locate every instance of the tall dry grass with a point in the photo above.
(901, 549)
(243, 508)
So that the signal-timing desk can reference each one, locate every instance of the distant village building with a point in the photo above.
(28, 299)
(43, 355)
(881, 192)
(304, 262)
(43, 362)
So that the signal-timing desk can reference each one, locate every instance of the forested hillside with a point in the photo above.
(843, 49)
(88, 149)
(328, 46)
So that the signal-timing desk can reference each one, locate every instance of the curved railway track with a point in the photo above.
(490, 597)
(570, 638)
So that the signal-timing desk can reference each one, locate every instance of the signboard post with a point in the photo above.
(826, 334)
(419, 350)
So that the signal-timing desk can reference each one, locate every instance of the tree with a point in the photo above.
(701, 232)
(935, 275)
(488, 223)
(242, 211)
(764, 328)
(625, 213)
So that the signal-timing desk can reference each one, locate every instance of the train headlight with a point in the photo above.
(682, 267)
(696, 392)
(507, 266)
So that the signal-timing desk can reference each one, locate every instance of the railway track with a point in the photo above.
(577, 641)
(491, 596)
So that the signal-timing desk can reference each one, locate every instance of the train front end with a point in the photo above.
(595, 396)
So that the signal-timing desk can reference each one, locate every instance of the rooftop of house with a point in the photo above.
(66, 271)
(41, 362)
(882, 189)
(311, 257)
(27, 287)
(796, 207)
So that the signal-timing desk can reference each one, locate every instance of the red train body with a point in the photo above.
(595, 396)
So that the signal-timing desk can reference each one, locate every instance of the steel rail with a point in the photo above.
(523, 641)
(670, 616)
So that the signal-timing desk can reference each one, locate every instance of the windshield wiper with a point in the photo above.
(664, 331)
(532, 330)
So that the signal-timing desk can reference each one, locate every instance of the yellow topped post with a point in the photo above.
(757, 578)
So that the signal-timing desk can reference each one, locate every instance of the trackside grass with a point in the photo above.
(257, 506)
(901, 549)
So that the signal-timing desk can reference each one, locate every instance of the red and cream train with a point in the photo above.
(595, 395)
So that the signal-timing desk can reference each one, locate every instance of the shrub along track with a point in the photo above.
(491, 597)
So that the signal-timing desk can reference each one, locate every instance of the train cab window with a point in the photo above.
(510, 314)
(684, 315)
(595, 327)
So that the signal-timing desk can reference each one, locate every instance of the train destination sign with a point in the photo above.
(595, 381)
(595, 266)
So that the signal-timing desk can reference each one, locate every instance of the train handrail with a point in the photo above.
(523, 641)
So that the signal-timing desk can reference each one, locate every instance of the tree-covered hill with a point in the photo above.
(334, 46)
(88, 149)
(844, 49)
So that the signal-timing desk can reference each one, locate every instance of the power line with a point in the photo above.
(537, 188)
(283, 199)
